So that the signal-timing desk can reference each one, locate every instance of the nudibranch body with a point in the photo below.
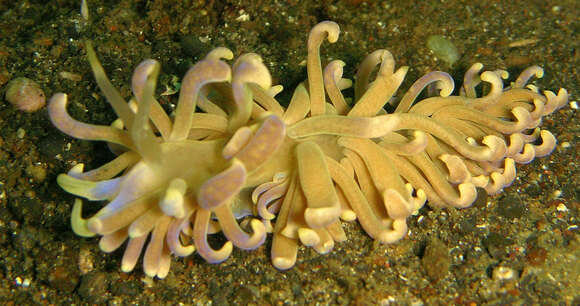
(231, 152)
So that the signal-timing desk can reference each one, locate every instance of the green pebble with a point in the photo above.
(443, 49)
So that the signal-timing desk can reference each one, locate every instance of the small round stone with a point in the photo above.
(25, 94)
(443, 49)
(503, 273)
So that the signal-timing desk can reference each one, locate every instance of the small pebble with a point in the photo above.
(22, 282)
(436, 260)
(94, 287)
(562, 208)
(20, 133)
(443, 49)
(37, 172)
(503, 273)
(25, 94)
(63, 278)
(85, 261)
(70, 76)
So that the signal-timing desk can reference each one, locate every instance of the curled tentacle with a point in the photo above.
(380, 91)
(458, 172)
(235, 234)
(173, 238)
(138, 84)
(527, 74)
(363, 74)
(399, 144)
(219, 53)
(325, 29)
(547, 146)
(202, 73)
(78, 224)
(522, 118)
(471, 80)
(494, 149)
(332, 77)
(247, 69)
(555, 102)
(496, 85)
(268, 194)
(64, 122)
(200, 231)
(444, 80)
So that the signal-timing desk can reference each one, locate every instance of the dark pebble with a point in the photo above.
(52, 145)
(496, 245)
(467, 225)
(297, 289)
(93, 288)
(511, 207)
(243, 295)
(63, 279)
(536, 256)
(219, 294)
(533, 190)
(544, 286)
(192, 46)
(26, 210)
(436, 260)
(26, 239)
(126, 288)
(481, 200)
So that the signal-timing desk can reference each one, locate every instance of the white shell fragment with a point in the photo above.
(25, 94)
